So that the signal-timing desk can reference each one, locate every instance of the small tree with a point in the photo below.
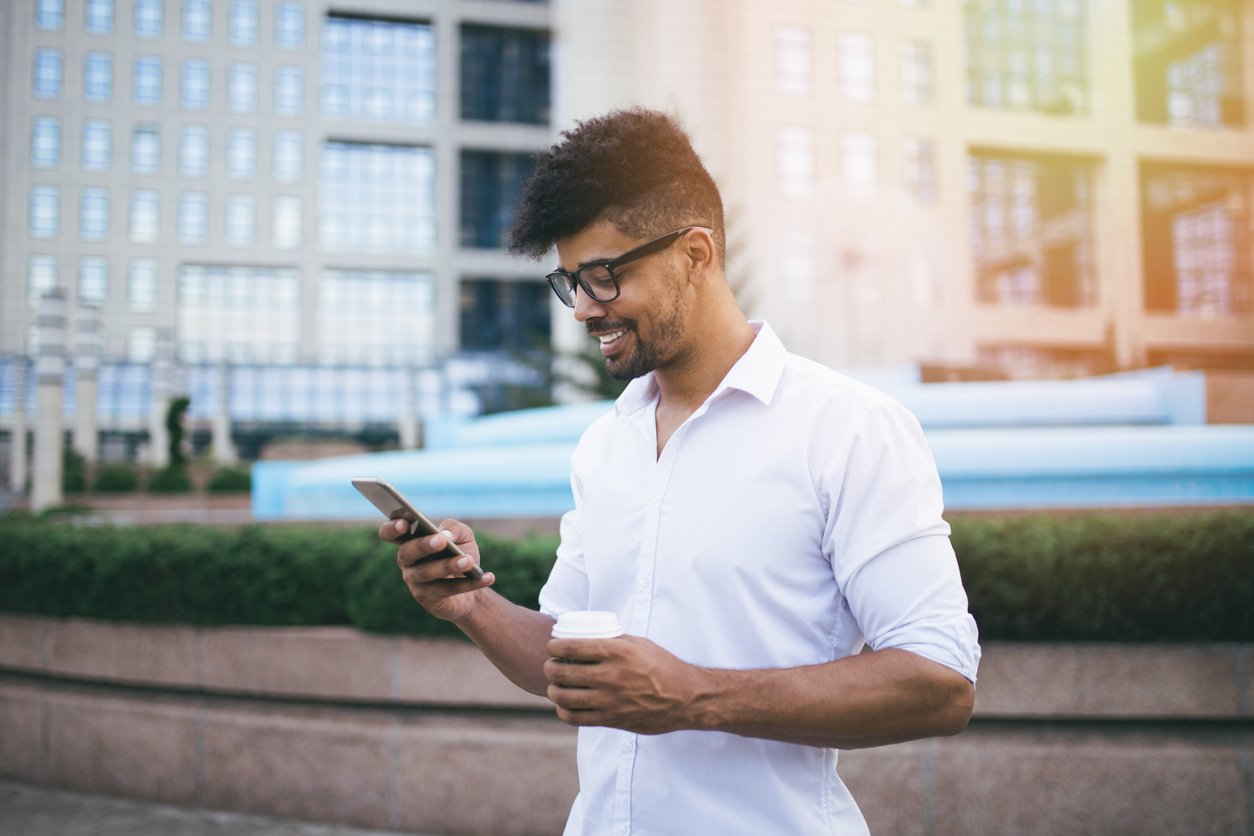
(174, 426)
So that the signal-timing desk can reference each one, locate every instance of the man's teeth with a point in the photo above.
(609, 338)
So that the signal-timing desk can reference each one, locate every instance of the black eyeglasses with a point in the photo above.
(597, 277)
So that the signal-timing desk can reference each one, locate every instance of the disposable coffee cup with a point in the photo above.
(586, 624)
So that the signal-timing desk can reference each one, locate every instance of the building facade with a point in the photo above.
(983, 187)
(310, 194)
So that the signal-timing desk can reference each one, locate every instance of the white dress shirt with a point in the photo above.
(794, 516)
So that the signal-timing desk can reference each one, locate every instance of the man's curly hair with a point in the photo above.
(635, 168)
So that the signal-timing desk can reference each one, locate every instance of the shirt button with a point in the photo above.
(627, 745)
(642, 582)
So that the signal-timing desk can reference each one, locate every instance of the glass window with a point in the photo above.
(241, 220)
(859, 159)
(795, 161)
(196, 17)
(48, 66)
(97, 76)
(148, 18)
(287, 223)
(857, 67)
(98, 17)
(147, 80)
(193, 217)
(45, 211)
(194, 84)
(381, 71)
(1032, 230)
(289, 154)
(241, 153)
(1027, 56)
(194, 151)
(239, 313)
(141, 344)
(504, 315)
(49, 14)
(505, 75)
(359, 322)
(1196, 241)
(919, 167)
(916, 72)
(489, 192)
(93, 279)
(145, 150)
(41, 277)
(289, 25)
(242, 22)
(97, 145)
(141, 285)
(45, 142)
(94, 214)
(376, 198)
(145, 216)
(289, 91)
(241, 89)
(793, 71)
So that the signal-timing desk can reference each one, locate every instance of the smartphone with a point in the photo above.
(396, 507)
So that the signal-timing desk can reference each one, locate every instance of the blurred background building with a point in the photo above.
(297, 205)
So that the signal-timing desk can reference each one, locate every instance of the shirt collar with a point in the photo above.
(756, 373)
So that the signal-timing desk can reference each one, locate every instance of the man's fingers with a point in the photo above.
(392, 529)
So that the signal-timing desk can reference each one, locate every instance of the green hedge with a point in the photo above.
(1082, 577)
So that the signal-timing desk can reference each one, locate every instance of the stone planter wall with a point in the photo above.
(329, 724)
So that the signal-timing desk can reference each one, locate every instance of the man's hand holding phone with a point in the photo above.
(440, 585)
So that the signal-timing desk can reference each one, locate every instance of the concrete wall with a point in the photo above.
(332, 725)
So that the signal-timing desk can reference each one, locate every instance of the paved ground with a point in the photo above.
(40, 811)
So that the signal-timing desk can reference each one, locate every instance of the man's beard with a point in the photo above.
(647, 355)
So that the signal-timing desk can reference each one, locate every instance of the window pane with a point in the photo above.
(196, 16)
(287, 223)
(94, 220)
(145, 218)
(505, 75)
(141, 285)
(242, 88)
(857, 67)
(98, 76)
(193, 217)
(49, 14)
(93, 279)
(289, 25)
(489, 192)
(241, 153)
(97, 145)
(289, 152)
(795, 161)
(99, 17)
(359, 322)
(148, 18)
(194, 151)
(239, 313)
(147, 86)
(194, 84)
(289, 91)
(504, 315)
(1028, 56)
(45, 142)
(145, 150)
(240, 220)
(381, 71)
(376, 198)
(47, 73)
(792, 61)
(45, 211)
(41, 277)
(242, 22)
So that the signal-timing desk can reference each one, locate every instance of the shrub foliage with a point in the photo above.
(1090, 577)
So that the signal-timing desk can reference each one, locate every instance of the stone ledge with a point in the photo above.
(1067, 681)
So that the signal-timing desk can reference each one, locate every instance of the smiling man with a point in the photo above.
(755, 520)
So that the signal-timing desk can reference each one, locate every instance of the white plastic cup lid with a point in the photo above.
(587, 624)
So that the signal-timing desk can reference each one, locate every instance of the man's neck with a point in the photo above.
(719, 345)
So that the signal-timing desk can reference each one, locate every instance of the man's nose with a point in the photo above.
(586, 307)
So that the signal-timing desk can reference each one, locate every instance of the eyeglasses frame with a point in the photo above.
(573, 279)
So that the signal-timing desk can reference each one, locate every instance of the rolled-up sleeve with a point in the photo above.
(889, 544)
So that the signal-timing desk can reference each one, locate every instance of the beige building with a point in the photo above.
(983, 187)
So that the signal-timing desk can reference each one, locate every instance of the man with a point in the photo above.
(752, 517)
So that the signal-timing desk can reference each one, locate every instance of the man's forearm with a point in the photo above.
(868, 700)
(512, 637)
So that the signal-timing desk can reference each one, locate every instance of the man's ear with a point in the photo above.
(699, 250)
